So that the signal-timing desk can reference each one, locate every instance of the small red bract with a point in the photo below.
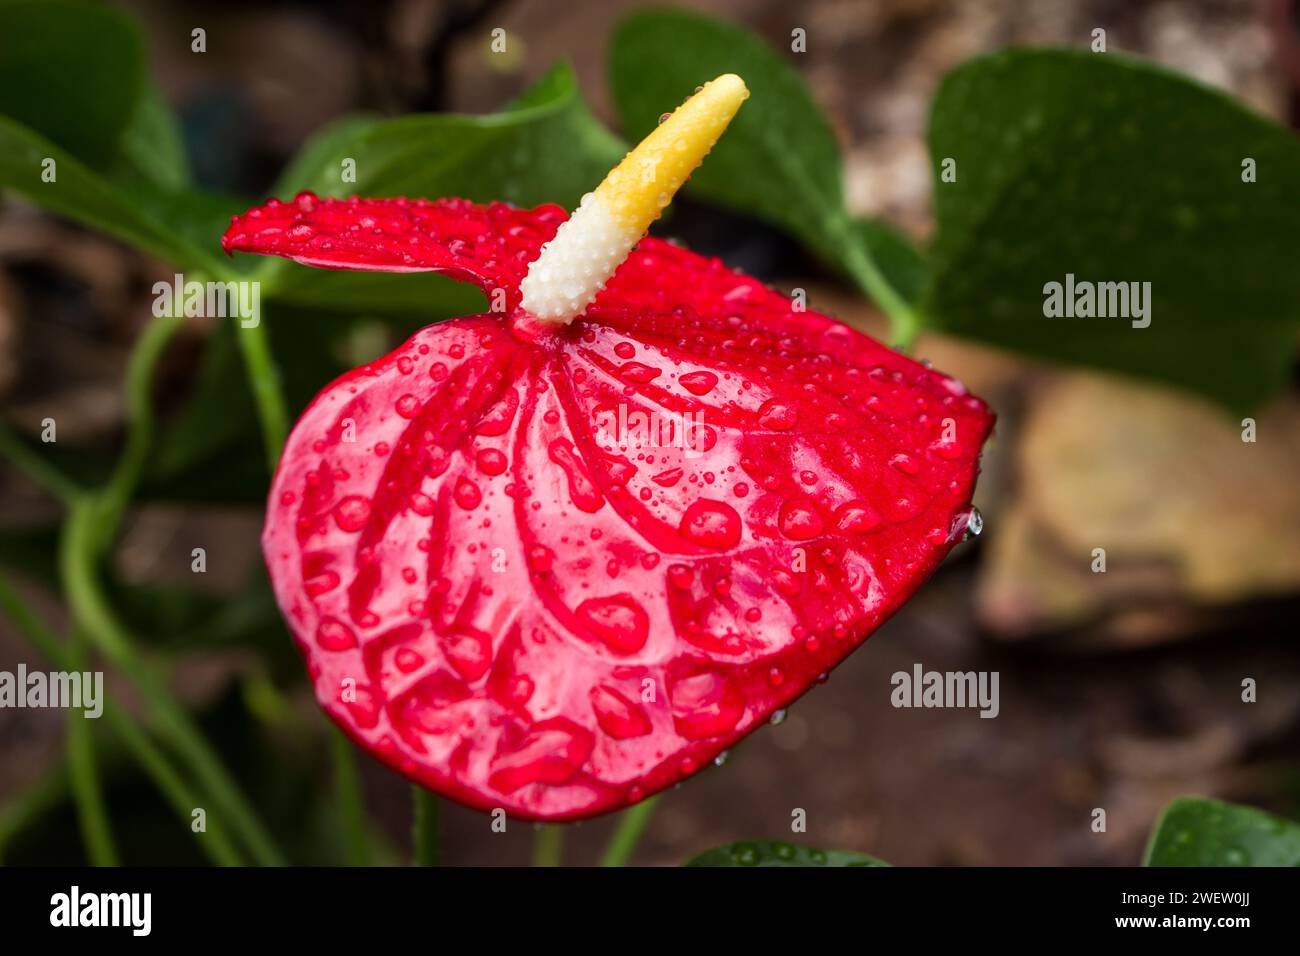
(555, 569)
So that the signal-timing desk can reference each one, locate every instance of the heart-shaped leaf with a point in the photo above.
(81, 194)
(1194, 831)
(152, 149)
(547, 147)
(71, 72)
(752, 853)
(779, 159)
(901, 263)
(83, 135)
(1110, 170)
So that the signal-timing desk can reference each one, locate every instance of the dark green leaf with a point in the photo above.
(778, 159)
(218, 414)
(193, 222)
(81, 194)
(73, 92)
(1114, 170)
(897, 258)
(180, 621)
(72, 72)
(774, 853)
(32, 552)
(151, 148)
(549, 149)
(322, 156)
(423, 294)
(1194, 831)
(546, 148)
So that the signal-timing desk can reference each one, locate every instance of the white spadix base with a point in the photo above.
(575, 265)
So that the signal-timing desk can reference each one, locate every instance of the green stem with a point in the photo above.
(113, 498)
(215, 843)
(347, 787)
(904, 321)
(548, 845)
(264, 379)
(91, 613)
(35, 466)
(88, 532)
(628, 833)
(255, 347)
(30, 806)
(32, 629)
(87, 789)
(424, 829)
(151, 761)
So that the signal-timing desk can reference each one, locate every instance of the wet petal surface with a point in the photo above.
(555, 571)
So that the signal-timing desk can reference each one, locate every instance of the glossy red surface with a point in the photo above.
(555, 571)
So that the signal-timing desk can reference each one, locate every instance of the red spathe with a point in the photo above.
(554, 570)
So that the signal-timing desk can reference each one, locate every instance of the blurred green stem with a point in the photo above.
(548, 845)
(255, 346)
(91, 526)
(424, 829)
(264, 379)
(904, 321)
(112, 500)
(92, 614)
(628, 833)
(35, 466)
(31, 805)
(87, 787)
(151, 761)
(347, 786)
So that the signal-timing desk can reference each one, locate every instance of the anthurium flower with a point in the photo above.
(556, 557)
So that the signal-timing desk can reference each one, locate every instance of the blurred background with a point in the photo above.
(1118, 691)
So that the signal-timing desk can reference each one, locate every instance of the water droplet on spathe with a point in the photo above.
(541, 558)
(352, 513)
(698, 383)
(619, 621)
(467, 494)
(713, 524)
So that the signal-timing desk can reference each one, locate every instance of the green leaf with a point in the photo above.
(71, 72)
(159, 223)
(425, 294)
(1115, 170)
(549, 149)
(78, 192)
(778, 159)
(73, 91)
(152, 148)
(322, 156)
(900, 261)
(218, 416)
(1195, 831)
(775, 853)
(546, 147)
